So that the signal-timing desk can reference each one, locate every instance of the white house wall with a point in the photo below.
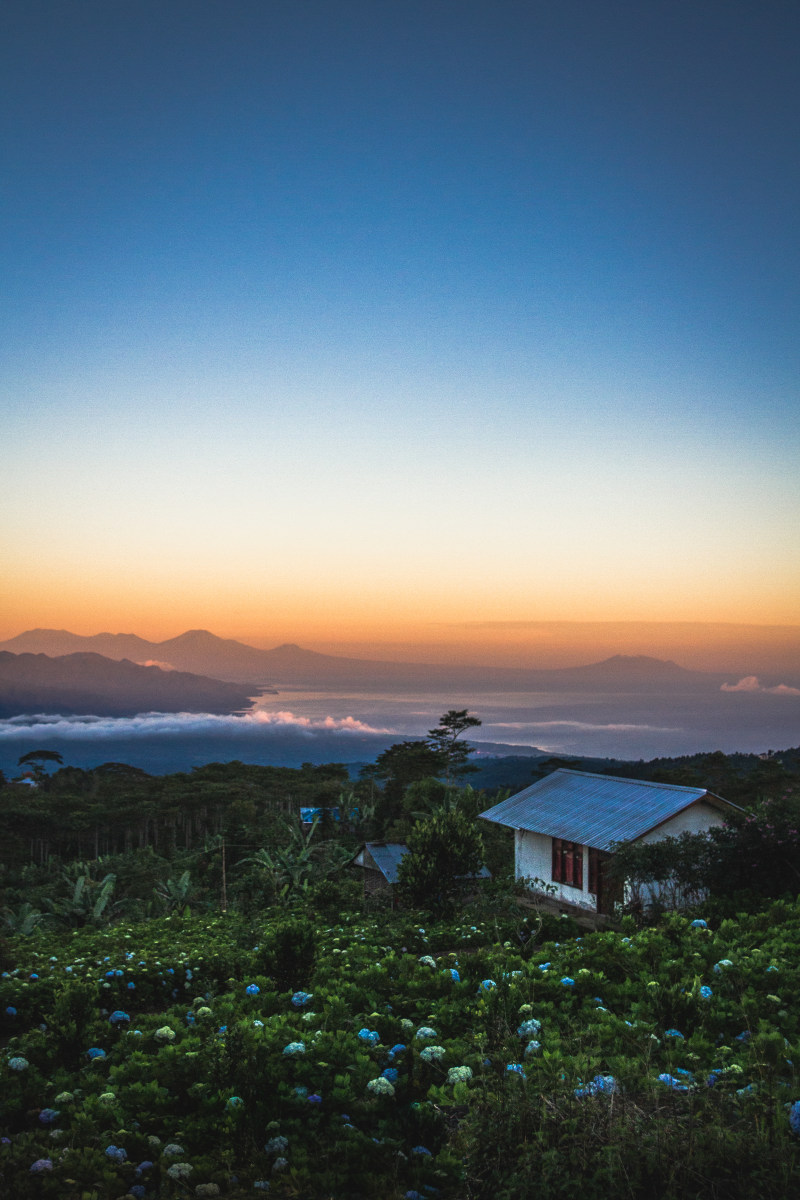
(695, 819)
(533, 859)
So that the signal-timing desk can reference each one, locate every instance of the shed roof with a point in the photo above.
(596, 810)
(386, 856)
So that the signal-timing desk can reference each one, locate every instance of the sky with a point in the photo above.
(361, 321)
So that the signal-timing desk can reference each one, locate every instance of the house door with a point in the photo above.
(608, 891)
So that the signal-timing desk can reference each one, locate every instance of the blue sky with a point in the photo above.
(328, 297)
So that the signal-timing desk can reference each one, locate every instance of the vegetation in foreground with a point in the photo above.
(384, 1057)
(208, 1007)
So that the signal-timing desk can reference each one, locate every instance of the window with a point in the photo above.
(567, 863)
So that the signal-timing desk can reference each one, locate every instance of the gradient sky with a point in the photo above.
(351, 319)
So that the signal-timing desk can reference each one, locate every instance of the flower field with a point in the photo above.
(387, 1058)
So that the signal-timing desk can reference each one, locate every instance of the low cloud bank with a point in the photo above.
(583, 725)
(751, 683)
(48, 725)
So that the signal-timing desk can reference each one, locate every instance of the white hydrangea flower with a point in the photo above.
(380, 1087)
(432, 1053)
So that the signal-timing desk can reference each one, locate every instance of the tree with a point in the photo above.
(36, 759)
(444, 741)
(402, 764)
(443, 850)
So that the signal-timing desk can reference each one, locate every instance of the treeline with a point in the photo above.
(114, 808)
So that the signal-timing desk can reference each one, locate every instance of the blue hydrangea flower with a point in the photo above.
(294, 1049)
(301, 999)
(398, 1048)
(487, 985)
(670, 1081)
(95, 1052)
(706, 992)
(41, 1164)
(567, 981)
(516, 1069)
(699, 923)
(252, 989)
(453, 973)
(18, 1063)
(115, 1153)
(794, 1118)
(11, 1011)
(425, 1031)
(529, 1028)
(117, 1016)
(390, 1073)
(421, 1150)
(674, 1033)
(544, 966)
(723, 963)
(370, 1036)
(48, 1116)
(315, 1098)
(600, 1085)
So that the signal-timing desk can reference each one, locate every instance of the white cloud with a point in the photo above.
(148, 724)
(584, 725)
(750, 683)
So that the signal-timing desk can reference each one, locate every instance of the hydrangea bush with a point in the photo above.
(218, 1077)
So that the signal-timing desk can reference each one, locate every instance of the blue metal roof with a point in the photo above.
(596, 810)
(386, 856)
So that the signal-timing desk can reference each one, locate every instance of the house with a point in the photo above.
(566, 825)
(379, 862)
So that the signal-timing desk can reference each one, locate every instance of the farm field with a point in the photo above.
(385, 1056)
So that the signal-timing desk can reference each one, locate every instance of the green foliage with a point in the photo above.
(757, 852)
(444, 850)
(197, 1058)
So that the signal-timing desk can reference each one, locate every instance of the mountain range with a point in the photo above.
(202, 653)
(87, 683)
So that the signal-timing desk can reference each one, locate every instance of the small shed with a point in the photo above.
(379, 862)
(566, 825)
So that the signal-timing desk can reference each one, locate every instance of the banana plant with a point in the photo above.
(90, 902)
(292, 868)
(174, 894)
(22, 922)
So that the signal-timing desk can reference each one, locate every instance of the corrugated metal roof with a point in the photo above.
(387, 855)
(595, 810)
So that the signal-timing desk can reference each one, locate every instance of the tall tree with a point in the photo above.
(454, 754)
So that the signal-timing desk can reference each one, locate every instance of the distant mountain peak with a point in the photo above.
(639, 662)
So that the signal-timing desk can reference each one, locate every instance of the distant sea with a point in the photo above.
(299, 726)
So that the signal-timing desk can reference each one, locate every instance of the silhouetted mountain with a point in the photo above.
(204, 653)
(89, 683)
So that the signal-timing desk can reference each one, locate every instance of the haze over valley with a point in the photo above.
(84, 697)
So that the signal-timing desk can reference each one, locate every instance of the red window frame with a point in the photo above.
(567, 864)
